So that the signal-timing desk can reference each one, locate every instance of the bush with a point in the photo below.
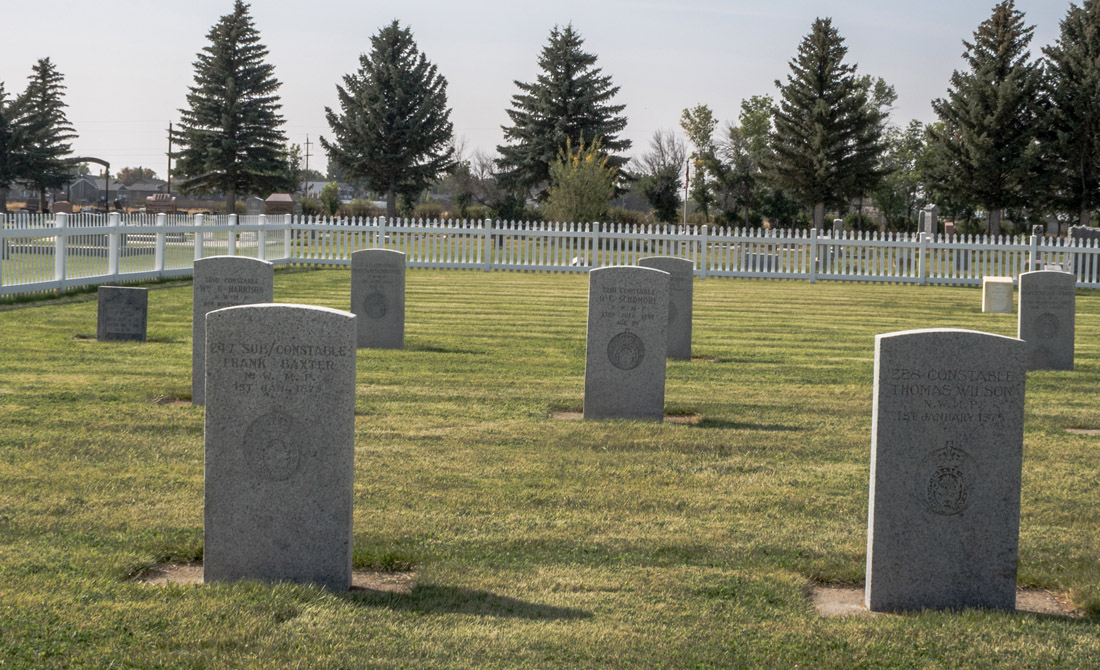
(311, 207)
(851, 222)
(429, 211)
(361, 209)
(582, 184)
(623, 215)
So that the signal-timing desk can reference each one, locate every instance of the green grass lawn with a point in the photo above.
(535, 542)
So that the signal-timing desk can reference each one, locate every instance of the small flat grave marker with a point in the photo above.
(378, 298)
(280, 430)
(122, 314)
(997, 294)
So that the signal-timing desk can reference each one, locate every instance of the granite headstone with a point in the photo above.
(1046, 319)
(946, 456)
(123, 313)
(680, 297)
(223, 281)
(624, 371)
(997, 294)
(280, 430)
(378, 298)
(253, 205)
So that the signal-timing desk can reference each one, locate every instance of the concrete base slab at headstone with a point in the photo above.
(122, 314)
(624, 371)
(997, 294)
(378, 298)
(1046, 319)
(680, 297)
(280, 430)
(223, 281)
(946, 456)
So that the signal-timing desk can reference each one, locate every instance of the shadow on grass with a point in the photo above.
(743, 425)
(433, 599)
(441, 350)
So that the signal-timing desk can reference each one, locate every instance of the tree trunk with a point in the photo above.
(819, 217)
(3, 199)
(994, 222)
(41, 201)
(391, 204)
(860, 217)
(231, 201)
(1082, 220)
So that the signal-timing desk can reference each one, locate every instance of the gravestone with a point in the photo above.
(123, 313)
(838, 227)
(223, 281)
(680, 298)
(946, 455)
(624, 370)
(279, 444)
(1046, 319)
(997, 294)
(378, 298)
(253, 205)
(927, 220)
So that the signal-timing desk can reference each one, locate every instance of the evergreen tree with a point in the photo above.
(41, 112)
(1072, 128)
(570, 100)
(394, 129)
(990, 116)
(897, 196)
(11, 147)
(230, 138)
(825, 127)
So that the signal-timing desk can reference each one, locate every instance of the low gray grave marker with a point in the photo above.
(1046, 318)
(624, 371)
(946, 454)
(223, 281)
(680, 296)
(280, 430)
(378, 298)
(122, 314)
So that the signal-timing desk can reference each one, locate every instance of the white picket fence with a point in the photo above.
(56, 252)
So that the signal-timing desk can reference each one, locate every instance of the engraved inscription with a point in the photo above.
(626, 351)
(271, 447)
(375, 306)
(946, 481)
(1047, 325)
(942, 395)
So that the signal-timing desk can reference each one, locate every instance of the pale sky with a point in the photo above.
(128, 63)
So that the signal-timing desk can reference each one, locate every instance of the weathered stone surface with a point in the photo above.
(624, 372)
(946, 454)
(280, 429)
(378, 298)
(997, 294)
(1047, 318)
(123, 313)
(223, 281)
(253, 205)
(680, 298)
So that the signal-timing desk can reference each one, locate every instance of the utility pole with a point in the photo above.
(307, 161)
(169, 158)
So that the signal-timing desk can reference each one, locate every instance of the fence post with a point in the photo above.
(813, 256)
(231, 237)
(595, 245)
(288, 221)
(3, 244)
(487, 245)
(114, 244)
(705, 251)
(61, 245)
(159, 241)
(261, 239)
(1034, 260)
(922, 273)
(200, 237)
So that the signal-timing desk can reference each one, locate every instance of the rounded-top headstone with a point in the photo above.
(680, 297)
(223, 281)
(624, 372)
(280, 430)
(378, 298)
(1046, 319)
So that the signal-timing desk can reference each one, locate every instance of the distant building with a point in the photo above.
(88, 190)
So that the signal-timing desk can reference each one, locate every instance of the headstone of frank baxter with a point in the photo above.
(624, 370)
(946, 452)
(280, 428)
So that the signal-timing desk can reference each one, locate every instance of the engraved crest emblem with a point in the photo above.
(1047, 325)
(271, 447)
(374, 305)
(626, 351)
(947, 481)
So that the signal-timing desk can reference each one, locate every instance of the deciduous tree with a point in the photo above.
(582, 183)
(659, 172)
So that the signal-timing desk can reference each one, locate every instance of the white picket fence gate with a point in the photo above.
(55, 252)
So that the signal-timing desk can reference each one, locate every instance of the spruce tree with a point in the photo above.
(41, 114)
(990, 115)
(826, 130)
(230, 137)
(394, 129)
(1072, 128)
(570, 100)
(11, 147)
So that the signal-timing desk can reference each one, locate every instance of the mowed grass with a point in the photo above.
(536, 542)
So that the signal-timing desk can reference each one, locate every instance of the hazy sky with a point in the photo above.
(128, 63)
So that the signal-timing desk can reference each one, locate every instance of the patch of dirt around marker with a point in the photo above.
(191, 574)
(845, 601)
(687, 419)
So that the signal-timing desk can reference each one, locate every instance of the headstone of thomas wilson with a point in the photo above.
(223, 281)
(1046, 319)
(946, 453)
(123, 313)
(378, 298)
(279, 444)
(681, 274)
(624, 370)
